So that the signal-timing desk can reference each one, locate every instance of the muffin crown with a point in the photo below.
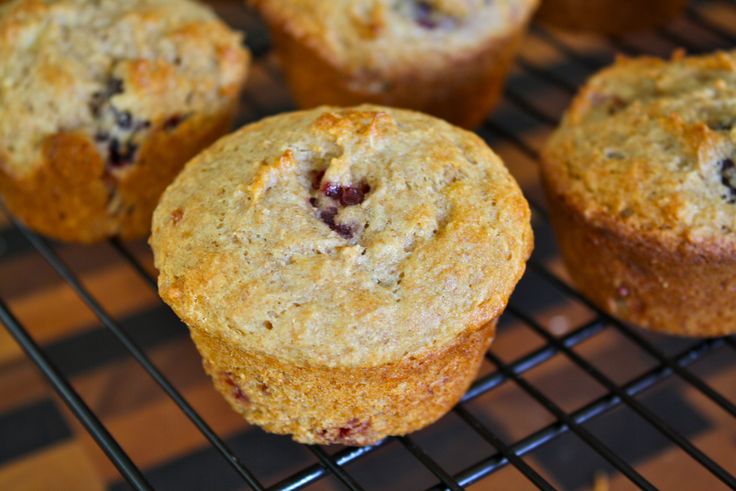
(392, 37)
(648, 148)
(111, 69)
(342, 237)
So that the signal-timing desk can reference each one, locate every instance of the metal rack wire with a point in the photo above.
(337, 464)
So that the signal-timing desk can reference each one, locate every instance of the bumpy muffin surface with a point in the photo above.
(388, 37)
(648, 148)
(342, 237)
(106, 75)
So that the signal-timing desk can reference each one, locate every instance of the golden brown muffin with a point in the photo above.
(642, 190)
(609, 16)
(342, 270)
(449, 58)
(102, 103)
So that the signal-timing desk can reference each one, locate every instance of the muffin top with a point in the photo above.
(388, 37)
(342, 237)
(648, 147)
(111, 69)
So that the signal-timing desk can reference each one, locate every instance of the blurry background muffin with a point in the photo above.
(609, 16)
(641, 183)
(101, 103)
(444, 57)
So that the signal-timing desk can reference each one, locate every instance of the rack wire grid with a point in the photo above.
(566, 392)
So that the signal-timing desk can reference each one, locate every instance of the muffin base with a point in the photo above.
(609, 16)
(343, 405)
(464, 93)
(71, 195)
(683, 291)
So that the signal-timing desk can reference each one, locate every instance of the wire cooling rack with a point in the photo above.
(516, 127)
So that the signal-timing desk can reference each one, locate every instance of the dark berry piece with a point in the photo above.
(229, 379)
(114, 86)
(96, 102)
(351, 195)
(115, 156)
(344, 231)
(177, 215)
(99, 99)
(130, 151)
(315, 177)
(123, 119)
(102, 136)
(332, 190)
(121, 154)
(721, 125)
(240, 395)
(236, 391)
(616, 104)
(728, 179)
(352, 428)
(424, 15)
(172, 122)
(314, 202)
(328, 216)
(347, 195)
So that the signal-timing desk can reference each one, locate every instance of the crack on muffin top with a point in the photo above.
(360, 234)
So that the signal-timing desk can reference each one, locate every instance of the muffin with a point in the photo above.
(641, 183)
(341, 270)
(102, 103)
(444, 57)
(609, 16)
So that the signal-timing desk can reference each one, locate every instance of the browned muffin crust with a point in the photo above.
(681, 290)
(350, 405)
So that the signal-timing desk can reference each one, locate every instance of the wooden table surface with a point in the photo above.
(43, 446)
